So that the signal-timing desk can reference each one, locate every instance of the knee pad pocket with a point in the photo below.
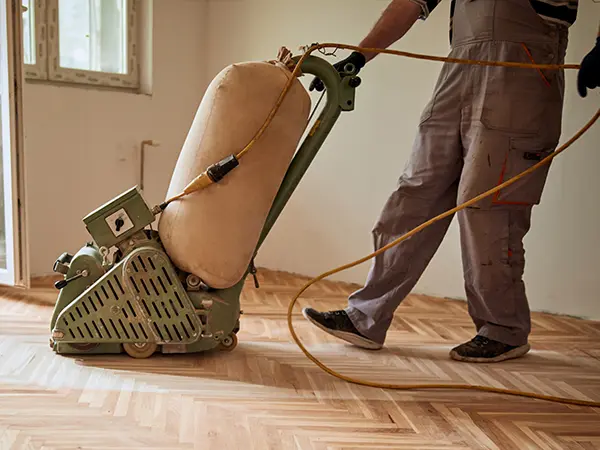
(521, 156)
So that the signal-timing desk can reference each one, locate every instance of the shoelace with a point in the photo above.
(481, 341)
(331, 314)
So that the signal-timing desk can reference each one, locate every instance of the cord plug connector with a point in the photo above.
(217, 171)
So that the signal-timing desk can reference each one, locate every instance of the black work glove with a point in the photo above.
(355, 58)
(588, 76)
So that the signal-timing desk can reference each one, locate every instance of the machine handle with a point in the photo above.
(62, 283)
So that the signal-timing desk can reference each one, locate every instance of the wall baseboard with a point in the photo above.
(42, 291)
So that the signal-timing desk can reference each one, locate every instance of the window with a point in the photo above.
(82, 41)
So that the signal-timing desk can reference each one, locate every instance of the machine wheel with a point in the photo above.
(84, 347)
(229, 343)
(140, 350)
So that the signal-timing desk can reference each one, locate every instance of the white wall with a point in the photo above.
(328, 221)
(82, 144)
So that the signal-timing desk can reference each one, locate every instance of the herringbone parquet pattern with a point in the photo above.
(266, 395)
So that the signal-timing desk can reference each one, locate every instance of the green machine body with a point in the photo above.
(121, 293)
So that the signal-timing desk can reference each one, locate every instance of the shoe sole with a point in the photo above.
(348, 337)
(512, 354)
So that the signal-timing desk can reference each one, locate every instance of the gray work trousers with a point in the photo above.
(482, 126)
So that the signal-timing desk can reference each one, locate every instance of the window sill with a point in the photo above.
(89, 87)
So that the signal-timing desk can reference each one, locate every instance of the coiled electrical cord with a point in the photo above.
(414, 231)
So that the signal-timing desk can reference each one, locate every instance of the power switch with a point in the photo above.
(119, 222)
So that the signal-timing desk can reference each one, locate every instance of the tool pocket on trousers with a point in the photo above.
(517, 100)
(522, 155)
(512, 117)
(521, 109)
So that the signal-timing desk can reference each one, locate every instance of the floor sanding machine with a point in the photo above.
(121, 292)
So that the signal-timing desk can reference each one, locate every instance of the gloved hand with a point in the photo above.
(588, 76)
(355, 58)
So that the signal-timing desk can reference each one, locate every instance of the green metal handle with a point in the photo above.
(340, 97)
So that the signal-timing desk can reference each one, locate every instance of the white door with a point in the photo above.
(13, 249)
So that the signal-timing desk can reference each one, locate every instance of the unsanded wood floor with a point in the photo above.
(267, 395)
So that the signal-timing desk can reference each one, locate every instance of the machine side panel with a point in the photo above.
(88, 259)
(140, 300)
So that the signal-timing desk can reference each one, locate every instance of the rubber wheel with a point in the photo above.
(84, 347)
(140, 351)
(229, 343)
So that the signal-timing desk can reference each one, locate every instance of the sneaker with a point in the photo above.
(481, 349)
(338, 324)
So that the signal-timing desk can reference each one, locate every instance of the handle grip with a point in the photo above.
(63, 283)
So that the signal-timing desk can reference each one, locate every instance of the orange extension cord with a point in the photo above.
(194, 187)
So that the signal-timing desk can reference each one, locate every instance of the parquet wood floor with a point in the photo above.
(267, 395)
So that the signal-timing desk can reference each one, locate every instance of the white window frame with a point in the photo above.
(47, 65)
(38, 70)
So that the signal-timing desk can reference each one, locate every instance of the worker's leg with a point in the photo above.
(427, 188)
(394, 273)
(494, 261)
(492, 233)
(515, 122)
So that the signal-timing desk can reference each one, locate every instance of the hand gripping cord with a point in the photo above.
(464, 205)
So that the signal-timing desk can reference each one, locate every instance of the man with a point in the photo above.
(482, 126)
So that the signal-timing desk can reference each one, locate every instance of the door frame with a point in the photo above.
(12, 80)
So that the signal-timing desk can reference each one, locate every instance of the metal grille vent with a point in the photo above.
(139, 300)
